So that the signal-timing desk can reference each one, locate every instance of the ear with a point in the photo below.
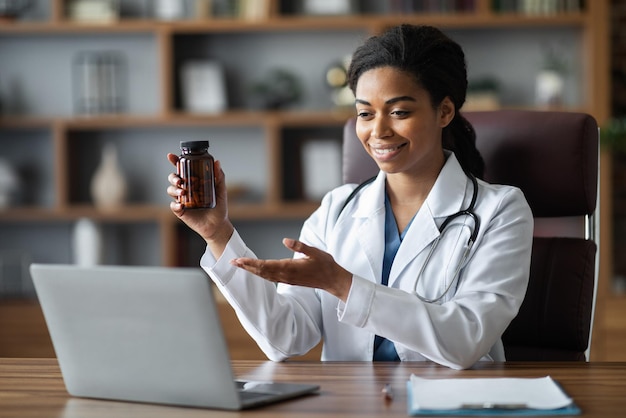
(446, 112)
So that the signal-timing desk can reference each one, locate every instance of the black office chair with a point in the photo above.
(553, 158)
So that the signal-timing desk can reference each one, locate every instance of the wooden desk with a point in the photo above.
(34, 388)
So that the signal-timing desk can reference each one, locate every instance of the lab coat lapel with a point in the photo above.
(445, 198)
(370, 213)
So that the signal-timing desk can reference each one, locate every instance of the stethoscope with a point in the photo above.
(474, 228)
(469, 211)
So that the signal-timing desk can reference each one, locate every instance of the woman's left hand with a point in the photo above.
(316, 269)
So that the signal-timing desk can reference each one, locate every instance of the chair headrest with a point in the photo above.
(551, 156)
(358, 166)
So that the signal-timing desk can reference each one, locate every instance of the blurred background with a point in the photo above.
(95, 93)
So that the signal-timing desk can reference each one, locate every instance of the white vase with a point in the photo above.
(108, 185)
(549, 88)
(169, 9)
(9, 184)
(87, 242)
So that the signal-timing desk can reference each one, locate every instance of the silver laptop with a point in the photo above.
(145, 334)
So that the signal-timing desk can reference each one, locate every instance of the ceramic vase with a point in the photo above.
(549, 88)
(108, 185)
(9, 184)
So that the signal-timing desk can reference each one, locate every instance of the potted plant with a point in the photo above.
(613, 134)
(482, 94)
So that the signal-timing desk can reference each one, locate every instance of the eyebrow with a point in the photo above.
(390, 101)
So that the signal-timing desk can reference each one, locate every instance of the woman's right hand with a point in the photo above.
(212, 225)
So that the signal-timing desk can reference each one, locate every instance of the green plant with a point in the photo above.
(613, 134)
(484, 84)
(278, 89)
(554, 61)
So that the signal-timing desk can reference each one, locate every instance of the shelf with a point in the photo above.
(174, 119)
(51, 28)
(260, 149)
(124, 121)
(132, 213)
(146, 213)
(26, 122)
(289, 118)
(371, 23)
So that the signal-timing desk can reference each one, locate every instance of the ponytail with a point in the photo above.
(459, 137)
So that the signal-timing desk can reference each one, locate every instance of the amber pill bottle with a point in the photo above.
(195, 167)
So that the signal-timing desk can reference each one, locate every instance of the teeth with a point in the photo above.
(385, 150)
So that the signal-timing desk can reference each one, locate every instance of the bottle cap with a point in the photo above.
(194, 145)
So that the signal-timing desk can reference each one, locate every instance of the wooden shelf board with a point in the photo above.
(470, 20)
(368, 22)
(130, 213)
(300, 117)
(262, 118)
(65, 27)
(151, 213)
(26, 122)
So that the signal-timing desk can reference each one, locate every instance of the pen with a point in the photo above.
(387, 392)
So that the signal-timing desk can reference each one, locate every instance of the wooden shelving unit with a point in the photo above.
(63, 132)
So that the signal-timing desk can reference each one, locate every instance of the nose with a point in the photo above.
(381, 128)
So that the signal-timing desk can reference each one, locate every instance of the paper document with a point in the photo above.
(497, 396)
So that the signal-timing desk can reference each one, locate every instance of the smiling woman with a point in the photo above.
(433, 63)
(402, 132)
(407, 245)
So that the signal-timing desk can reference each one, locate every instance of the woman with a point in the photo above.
(377, 279)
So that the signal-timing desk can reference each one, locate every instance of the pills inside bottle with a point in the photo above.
(195, 168)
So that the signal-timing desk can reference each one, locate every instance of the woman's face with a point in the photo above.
(397, 123)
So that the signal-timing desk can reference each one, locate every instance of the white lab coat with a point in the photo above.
(463, 328)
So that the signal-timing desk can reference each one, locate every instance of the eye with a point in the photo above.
(400, 113)
(363, 114)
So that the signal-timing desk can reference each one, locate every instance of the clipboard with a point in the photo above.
(488, 397)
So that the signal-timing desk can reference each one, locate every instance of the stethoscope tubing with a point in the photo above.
(469, 211)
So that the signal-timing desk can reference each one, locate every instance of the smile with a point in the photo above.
(386, 150)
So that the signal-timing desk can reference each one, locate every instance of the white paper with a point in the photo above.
(533, 393)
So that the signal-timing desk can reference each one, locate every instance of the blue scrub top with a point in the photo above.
(384, 349)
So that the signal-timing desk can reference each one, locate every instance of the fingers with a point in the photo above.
(177, 208)
(283, 270)
(220, 177)
(271, 270)
(175, 189)
(219, 173)
(299, 247)
(174, 179)
(252, 265)
(290, 243)
(172, 158)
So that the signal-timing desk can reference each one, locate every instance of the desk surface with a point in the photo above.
(34, 388)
